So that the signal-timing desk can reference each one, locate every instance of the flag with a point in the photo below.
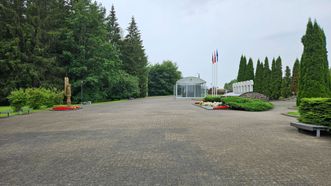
(213, 58)
(217, 55)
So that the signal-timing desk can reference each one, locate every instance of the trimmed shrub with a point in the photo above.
(34, 98)
(239, 103)
(315, 111)
(18, 99)
(213, 99)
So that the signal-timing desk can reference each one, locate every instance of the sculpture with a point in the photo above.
(67, 90)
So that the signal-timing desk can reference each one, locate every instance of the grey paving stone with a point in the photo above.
(160, 141)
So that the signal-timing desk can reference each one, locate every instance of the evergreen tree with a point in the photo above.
(276, 78)
(266, 78)
(249, 72)
(114, 30)
(295, 77)
(314, 68)
(242, 69)
(259, 76)
(29, 49)
(286, 83)
(43, 41)
(134, 58)
(11, 46)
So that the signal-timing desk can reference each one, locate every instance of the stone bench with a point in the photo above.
(7, 112)
(317, 128)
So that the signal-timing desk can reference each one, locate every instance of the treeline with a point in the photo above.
(309, 78)
(270, 81)
(41, 42)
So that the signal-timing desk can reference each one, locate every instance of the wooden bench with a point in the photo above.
(317, 128)
(6, 112)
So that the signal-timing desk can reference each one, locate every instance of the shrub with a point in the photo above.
(315, 111)
(18, 99)
(38, 97)
(239, 103)
(213, 99)
(34, 98)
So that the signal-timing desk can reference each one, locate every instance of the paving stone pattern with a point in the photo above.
(160, 141)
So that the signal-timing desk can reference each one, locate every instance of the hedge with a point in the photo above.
(247, 104)
(239, 103)
(315, 111)
(213, 99)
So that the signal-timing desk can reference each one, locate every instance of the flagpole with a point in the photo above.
(216, 77)
(212, 77)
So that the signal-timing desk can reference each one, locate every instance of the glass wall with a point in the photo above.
(191, 91)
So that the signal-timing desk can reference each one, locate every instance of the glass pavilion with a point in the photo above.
(190, 87)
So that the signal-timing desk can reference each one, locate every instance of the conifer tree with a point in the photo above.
(276, 78)
(314, 68)
(295, 77)
(134, 58)
(249, 72)
(113, 28)
(242, 69)
(258, 80)
(266, 78)
(286, 83)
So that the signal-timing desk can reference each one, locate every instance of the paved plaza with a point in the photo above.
(160, 141)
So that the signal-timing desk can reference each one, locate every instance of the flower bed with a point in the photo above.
(212, 105)
(65, 108)
(234, 103)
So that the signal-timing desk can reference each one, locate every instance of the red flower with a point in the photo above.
(65, 108)
(221, 107)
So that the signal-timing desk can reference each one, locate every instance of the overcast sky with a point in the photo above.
(187, 31)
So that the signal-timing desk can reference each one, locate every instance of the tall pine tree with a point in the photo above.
(134, 58)
(114, 30)
(286, 83)
(295, 77)
(249, 72)
(242, 69)
(258, 80)
(314, 68)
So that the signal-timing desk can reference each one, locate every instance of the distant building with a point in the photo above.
(190, 87)
(243, 87)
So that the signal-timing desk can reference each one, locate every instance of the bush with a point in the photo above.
(213, 99)
(34, 98)
(18, 99)
(239, 103)
(315, 111)
(126, 86)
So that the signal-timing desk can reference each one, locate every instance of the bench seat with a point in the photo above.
(309, 127)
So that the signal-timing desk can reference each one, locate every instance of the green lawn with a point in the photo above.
(294, 114)
(6, 108)
(106, 102)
